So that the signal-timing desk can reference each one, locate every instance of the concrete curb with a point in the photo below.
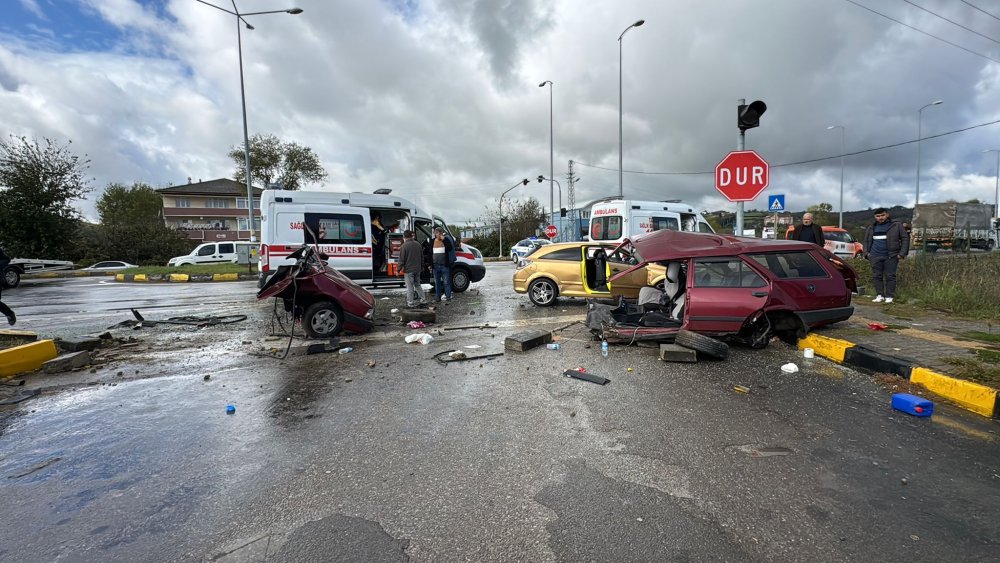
(974, 397)
(27, 357)
(183, 278)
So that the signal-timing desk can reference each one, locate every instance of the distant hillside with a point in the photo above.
(854, 221)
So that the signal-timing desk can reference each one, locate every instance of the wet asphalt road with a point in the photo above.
(327, 459)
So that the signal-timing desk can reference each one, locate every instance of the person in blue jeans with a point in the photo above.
(886, 243)
(442, 256)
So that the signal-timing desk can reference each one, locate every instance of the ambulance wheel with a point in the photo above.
(459, 280)
(323, 319)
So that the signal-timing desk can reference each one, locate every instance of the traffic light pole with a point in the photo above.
(740, 145)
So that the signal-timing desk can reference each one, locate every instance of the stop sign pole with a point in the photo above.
(741, 146)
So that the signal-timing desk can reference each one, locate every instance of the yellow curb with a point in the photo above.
(119, 277)
(225, 277)
(179, 277)
(830, 348)
(139, 278)
(27, 357)
(977, 398)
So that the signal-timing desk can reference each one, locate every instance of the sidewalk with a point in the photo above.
(915, 346)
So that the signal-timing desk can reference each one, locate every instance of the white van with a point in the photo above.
(614, 219)
(216, 252)
(340, 224)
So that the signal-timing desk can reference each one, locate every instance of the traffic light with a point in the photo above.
(748, 116)
(562, 211)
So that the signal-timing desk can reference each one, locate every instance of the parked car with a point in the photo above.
(109, 266)
(526, 247)
(325, 300)
(838, 241)
(576, 269)
(721, 285)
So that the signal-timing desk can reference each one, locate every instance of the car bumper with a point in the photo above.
(813, 319)
(356, 324)
(477, 273)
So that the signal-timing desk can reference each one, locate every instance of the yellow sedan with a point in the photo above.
(578, 269)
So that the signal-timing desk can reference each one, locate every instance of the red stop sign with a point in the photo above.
(741, 176)
(551, 231)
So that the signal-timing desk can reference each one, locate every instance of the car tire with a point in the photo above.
(989, 245)
(543, 292)
(460, 280)
(11, 278)
(700, 343)
(323, 319)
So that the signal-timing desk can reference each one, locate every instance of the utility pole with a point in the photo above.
(571, 201)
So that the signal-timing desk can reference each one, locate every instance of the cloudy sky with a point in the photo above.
(439, 99)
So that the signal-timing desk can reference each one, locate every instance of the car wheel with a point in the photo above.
(11, 278)
(701, 343)
(543, 292)
(459, 280)
(323, 319)
(989, 245)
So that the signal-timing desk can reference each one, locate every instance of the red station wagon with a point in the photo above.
(748, 288)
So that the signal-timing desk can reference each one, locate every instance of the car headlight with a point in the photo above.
(522, 263)
(368, 315)
(476, 253)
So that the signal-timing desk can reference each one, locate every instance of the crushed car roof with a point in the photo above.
(672, 245)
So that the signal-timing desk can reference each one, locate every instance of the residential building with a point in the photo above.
(211, 210)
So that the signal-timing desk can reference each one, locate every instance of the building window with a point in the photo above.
(217, 203)
(183, 202)
(242, 223)
(241, 203)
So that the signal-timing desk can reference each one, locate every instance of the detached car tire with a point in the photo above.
(700, 343)
(543, 292)
(323, 319)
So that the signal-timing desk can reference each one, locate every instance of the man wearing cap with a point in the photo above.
(411, 262)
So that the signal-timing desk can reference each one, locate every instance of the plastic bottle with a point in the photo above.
(552, 346)
(604, 348)
(347, 350)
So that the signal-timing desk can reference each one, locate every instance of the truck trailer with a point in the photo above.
(954, 226)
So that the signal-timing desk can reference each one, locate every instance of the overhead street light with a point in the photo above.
(523, 182)
(843, 136)
(246, 137)
(920, 117)
(551, 145)
(620, 157)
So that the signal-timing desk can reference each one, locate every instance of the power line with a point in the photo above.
(970, 4)
(950, 21)
(924, 32)
(809, 161)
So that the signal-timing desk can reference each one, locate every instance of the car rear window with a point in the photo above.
(838, 236)
(731, 272)
(791, 265)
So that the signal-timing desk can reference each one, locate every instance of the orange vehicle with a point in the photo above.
(838, 241)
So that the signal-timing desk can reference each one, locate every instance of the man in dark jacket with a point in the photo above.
(4, 309)
(808, 231)
(886, 243)
(411, 262)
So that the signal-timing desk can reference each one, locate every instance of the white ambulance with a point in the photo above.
(614, 219)
(340, 224)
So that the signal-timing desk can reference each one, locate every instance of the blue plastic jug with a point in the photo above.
(912, 404)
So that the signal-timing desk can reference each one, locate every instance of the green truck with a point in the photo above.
(954, 226)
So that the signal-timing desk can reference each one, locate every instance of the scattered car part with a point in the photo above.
(705, 344)
(585, 376)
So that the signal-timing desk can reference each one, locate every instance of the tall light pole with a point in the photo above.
(920, 134)
(843, 149)
(996, 193)
(243, 98)
(636, 24)
(551, 156)
(523, 182)
(550, 179)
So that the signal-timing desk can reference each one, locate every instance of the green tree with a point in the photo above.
(520, 219)
(37, 186)
(132, 227)
(822, 213)
(272, 161)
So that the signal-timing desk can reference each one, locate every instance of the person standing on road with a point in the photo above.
(4, 309)
(443, 252)
(808, 231)
(411, 262)
(378, 244)
(886, 243)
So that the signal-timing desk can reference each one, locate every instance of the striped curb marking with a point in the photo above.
(183, 278)
(977, 398)
(27, 357)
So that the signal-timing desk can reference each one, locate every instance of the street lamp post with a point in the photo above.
(620, 158)
(243, 98)
(551, 153)
(553, 222)
(996, 193)
(920, 117)
(843, 149)
(523, 182)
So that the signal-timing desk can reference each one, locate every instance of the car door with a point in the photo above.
(803, 280)
(206, 254)
(722, 292)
